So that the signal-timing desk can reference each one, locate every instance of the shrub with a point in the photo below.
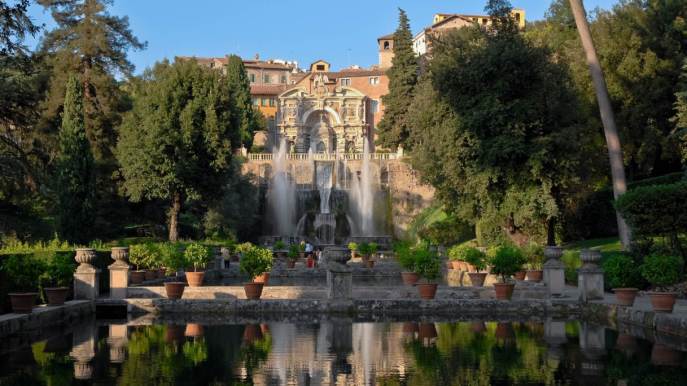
(243, 247)
(59, 271)
(353, 246)
(197, 255)
(365, 249)
(143, 256)
(279, 245)
(507, 261)
(402, 251)
(449, 231)
(534, 253)
(373, 248)
(571, 261)
(294, 251)
(662, 270)
(476, 258)
(621, 271)
(427, 262)
(22, 272)
(171, 256)
(255, 261)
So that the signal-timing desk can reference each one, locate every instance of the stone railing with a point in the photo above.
(324, 156)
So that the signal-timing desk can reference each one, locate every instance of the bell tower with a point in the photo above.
(386, 50)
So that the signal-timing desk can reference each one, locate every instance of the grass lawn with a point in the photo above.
(611, 244)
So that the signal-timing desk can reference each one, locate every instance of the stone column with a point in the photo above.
(593, 348)
(86, 277)
(83, 350)
(119, 273)
(117, 341)
(554, 270)
(339, 276)
(590, 279)
(555, 337)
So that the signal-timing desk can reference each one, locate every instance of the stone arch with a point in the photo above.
(328, 109)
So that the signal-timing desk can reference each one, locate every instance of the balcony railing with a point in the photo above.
(324, 156)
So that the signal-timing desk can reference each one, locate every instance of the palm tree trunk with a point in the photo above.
(615, 154)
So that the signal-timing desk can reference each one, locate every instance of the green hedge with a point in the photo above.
(655, 210)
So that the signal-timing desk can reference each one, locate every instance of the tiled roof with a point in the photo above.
(386, 37)
(352, 73)
(267, 89)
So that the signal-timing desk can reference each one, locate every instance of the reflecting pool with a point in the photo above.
(342, 352)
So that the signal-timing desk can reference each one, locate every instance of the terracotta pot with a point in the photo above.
(253, 290)
(251, 333)
(662, 355)
(310, 262)
(57, 295)
(193, 330)
(174, 333)
(353, 255)
(477, 278)
(410, 278)
(136, 277)
(520, 275)
(455, 264)
(535, 275)
(291, 263)
(625, 296)
(626, 344)
(370, 264)
(504, 291)
(22, 303)
(265, 328)
(263, 278)
(427, 290)
(150, 274)
(174, 289)
(427, 331)
(195, 279)
(662, 301)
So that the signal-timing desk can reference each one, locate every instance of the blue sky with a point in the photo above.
(342, 32)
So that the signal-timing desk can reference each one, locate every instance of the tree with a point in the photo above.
(680, 118)
(75, 180)
(175, 143)
(244, 118)
(93, 44)
(15, 24)
(612, 140)
(394, 128)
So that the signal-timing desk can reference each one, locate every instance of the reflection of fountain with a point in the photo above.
(362, 195)
(282, 192)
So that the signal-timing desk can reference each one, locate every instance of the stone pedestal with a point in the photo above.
(83, 351)
(86, 277)
(555, 337)
(554, 271)
(590, 279)
(339, 276)
(119, 273)
(117, 341)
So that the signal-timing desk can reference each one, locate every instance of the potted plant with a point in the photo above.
(57, 278)
(292, 256)
(22, 272)
(623, 276)
(427, 266)
(662, 271)
(507, 260)
(197, 256)
(478, 260)
(455, 256)
(301, 250)
(534, 254)
(138, 256)
(280, 249)
(372, 250)
(354, 249)
(255, 261)
(151, 261)
(406, 260)
(173, 259)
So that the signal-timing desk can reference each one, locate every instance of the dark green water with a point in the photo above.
(342, 353)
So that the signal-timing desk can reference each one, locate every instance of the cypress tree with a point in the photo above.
(75, 177)
(243, 116)
(394, 128)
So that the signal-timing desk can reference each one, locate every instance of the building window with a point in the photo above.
(256, 101)
(484, 21)
(283, 79)
(272, 102)
(264, 102)
(345, 81)
(266, 78)
(320, 67)
(374, 80)
(374, 106)
(386, 45)
(251, 77)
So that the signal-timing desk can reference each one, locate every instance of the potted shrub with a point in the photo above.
(662, 271)
(455, 256)
(254, 262)
(138, 256)
(57, 278)
(507, 260)
(406, 260)
(622, 276)
(427, 266)
(301, 250)
(173, 259)
(197, 256)
(22, 272)
(354, 249)
(151, 262)
(478, 260)
(280, 249)
(534, 254)
(292, 256)
(366, 250)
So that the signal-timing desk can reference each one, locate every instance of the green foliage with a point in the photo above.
(279, 245)
(367, 249)
(404, 255)
(22, 272)
(294, 252)
(75, 178)
(143, 256)
(507, 260)
(174, 145)
(394, 128)
(171, 255)
(59, 270)
(255, 261)
(680, 118)
(449, 231)
(197, 255)
(353, 246)
(622, 271)
(427, 262)
(195, 352)
(534, 253)
(243, 116)
(571, 262)
(662, 270)
(470, 255)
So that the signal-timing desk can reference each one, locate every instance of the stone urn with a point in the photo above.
(85, 257)
(590, 258)
(120, 255)
(552, 252)
(338, 255)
